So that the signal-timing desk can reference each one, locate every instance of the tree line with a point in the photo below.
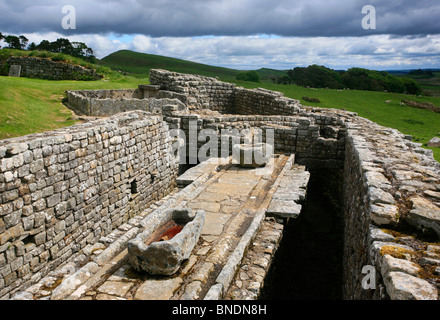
(74, 49)
(354, 78)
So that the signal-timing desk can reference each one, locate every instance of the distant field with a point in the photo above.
(430, 86)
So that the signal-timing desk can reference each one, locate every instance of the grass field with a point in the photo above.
(31, 105)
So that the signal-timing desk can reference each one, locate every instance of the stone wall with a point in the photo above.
(104, 103)
(52, 70)
(391, 191)
(202, 92)
(317, 138)
(262, 101)
(68, 188)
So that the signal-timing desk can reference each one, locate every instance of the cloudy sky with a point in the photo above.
(243, 34)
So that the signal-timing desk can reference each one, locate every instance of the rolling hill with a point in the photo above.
(139, 64)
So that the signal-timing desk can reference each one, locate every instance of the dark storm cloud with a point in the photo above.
(159, 18)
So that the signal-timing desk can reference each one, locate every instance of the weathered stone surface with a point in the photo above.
(401, 286)
(384, 214)
(391, 264)
(115, 288)
(424, 215)
(377, 234)
(15, 70)
(379, 196)
(252, 156)
(158, 289)
(106, 172)
(434, 142)
(74, 281)
(284, 208)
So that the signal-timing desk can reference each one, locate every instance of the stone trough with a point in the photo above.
(162, 251)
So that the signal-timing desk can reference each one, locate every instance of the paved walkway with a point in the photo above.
(235, 201)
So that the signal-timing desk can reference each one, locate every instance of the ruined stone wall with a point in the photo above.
(390, 193)
(62, 190)
(202, 92)
(264, 102)
(52, 70)
(101, 103)
(105, 103)
(317, 140)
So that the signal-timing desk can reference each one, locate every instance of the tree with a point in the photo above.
(1, 37)
(15, 42)
(315, 76)
(74, 49)
(23, 42)
(248, 76)
(32, 46)
(44, 45)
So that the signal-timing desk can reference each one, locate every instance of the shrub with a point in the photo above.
(308, 99)
(248, 76)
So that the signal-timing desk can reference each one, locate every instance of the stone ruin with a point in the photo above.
(63, 192)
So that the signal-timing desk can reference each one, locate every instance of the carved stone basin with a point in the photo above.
(162, 251)
(252, 155)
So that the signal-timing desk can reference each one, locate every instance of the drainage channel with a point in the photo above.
(308, 262)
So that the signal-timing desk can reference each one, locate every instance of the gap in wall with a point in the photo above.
(308, 263)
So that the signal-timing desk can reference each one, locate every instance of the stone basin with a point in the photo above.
(252, 155)
(162, 251)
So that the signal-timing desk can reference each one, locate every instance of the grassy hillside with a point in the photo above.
(32, 105)
(141, 63)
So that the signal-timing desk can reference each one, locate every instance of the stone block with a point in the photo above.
(402, 286)
(424, 215)
(434, 142)
(15, 70)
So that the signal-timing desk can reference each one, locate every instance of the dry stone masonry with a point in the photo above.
(66, 189)
(70, 194)
(51, 70)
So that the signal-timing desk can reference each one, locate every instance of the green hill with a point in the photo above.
(140, 64)
(268, 74)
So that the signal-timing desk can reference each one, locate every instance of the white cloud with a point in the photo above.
(245, 52)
